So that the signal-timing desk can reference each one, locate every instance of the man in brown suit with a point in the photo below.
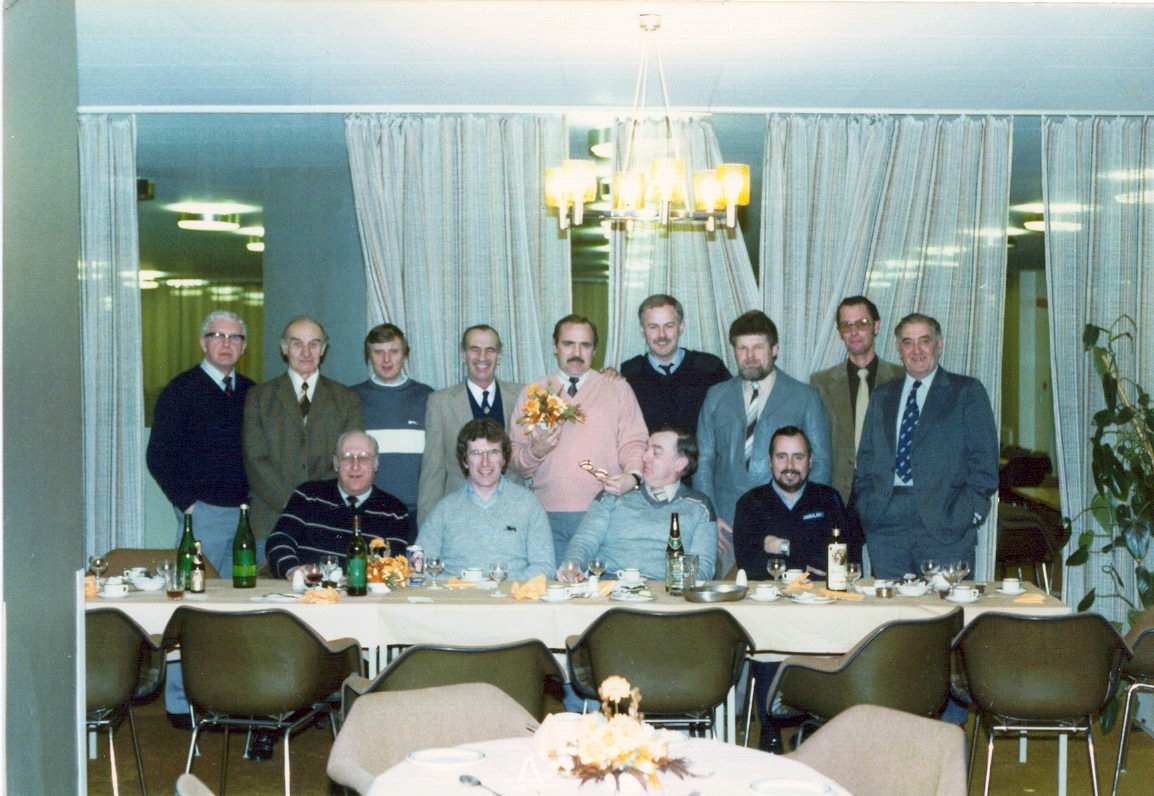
(858, 323)
(291, 425)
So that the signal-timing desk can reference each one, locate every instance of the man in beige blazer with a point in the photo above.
(291, 425)
(480, 395)
(858, 323)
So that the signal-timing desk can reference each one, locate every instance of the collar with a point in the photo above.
(678, 358)
(476, 391)
(377, 381)
(764, 387)
(298, 381)
(361, 498)
(851, 369)
(216, 375)
(564, 377)
(480, 501)
(790, 500)
(663, 494)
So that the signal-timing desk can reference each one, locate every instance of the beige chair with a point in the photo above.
(876, 751)
(382, 728)
(1139, 676)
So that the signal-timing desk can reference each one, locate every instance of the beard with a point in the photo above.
(755, 373)
(787, 486)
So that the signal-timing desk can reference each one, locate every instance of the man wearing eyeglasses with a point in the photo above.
(318, 519)
(845, 389)
(194, 450)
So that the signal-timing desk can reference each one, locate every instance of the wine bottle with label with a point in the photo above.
(243, 553)
(836, 555)
(186, 547)
(674, 558)
(357, 573)
(197, 574)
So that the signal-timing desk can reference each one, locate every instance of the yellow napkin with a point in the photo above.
(605, 587)
(799, 584)
(460, 583)
(840, 595)
(90, 586)
(532, 589)
(1031, 598)
(326, 596)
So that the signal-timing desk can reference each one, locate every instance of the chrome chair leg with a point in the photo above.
(112, 760)
(1090, 752)
(989, 759)
(1120, 765)
(136, 749)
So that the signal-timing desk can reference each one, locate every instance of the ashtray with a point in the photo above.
(716, 593)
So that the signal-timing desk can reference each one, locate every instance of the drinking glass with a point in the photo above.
(930, 567)
(569, 572)
(597, 566)
(776, 569)
(434, 566)
(963, 570)
(175, 582)
(313, 574)
(952, 575)
(329, 565)
(852, 573)
(98, 565)
(498, 571)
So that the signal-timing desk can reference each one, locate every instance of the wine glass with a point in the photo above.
(952, 575)
(313, 575)
(569, 572)
(930, 567)
(852, 573)
(434, 566)
(329, 565)
(963, 570)
(498, 571)
(597, 566)
(776, 569)
(98, 565)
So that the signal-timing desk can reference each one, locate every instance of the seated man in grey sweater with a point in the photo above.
(490, 518)
(632, 530)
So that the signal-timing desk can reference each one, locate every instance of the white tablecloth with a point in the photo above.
(510, 768)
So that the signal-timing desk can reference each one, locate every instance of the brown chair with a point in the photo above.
(1139, 674)
(1024, 540)
(257, 669)
(428, 717)
(121, 663)
(903, 665)
(123, 558)
(1039, 674)
(684, 663)
(877, 751)
(525, 670)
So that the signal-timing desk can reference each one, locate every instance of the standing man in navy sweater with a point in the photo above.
(194, 451)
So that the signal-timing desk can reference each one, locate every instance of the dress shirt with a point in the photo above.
(764, 387)
(678, 358)
(920, 400)
(564, 378)
(478, 392)
(298, 380)
(788, 498)
(851, 373)
(217, 376)
(361, 498)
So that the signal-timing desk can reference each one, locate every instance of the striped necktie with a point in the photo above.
(750, 424)
(906, 435)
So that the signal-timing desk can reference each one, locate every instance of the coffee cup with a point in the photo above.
(965, 593)
(472, 573)
(793, 574)
(557, 591)
(766, 591)
(136, 573)
(629, 575)
(115, 580)
(1011, 584)
(115, 589)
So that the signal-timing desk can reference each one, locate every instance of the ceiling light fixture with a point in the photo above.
(208, 222)
(255, 243)
(655, 191)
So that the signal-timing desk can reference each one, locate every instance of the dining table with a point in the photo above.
(510, 767)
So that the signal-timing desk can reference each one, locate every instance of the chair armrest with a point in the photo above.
(580, 668)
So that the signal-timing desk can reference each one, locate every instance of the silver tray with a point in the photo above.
(716, 593)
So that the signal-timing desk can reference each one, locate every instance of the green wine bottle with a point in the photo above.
(358, 571)
(185, 549)
(243, 553)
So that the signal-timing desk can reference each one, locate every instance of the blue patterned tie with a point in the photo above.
(906, 434)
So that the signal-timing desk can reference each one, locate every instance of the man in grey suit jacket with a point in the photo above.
(732, 461)
(840, 387)
(480, 395)
(928, 460)
(291, 425)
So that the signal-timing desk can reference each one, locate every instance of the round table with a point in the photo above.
(512, 769)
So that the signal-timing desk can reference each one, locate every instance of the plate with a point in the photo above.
(276, 598)
(811, 599)
(1000, 590)
(961, 600)
(789, 787)
(545, 598)
(112, 596)
(629, 597)
(757, 598)
(446, 756)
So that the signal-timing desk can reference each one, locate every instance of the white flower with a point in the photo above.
(615, 689)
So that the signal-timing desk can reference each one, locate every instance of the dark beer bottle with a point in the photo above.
(184, 550)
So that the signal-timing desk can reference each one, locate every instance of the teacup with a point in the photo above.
(1011, 585)
(135, 573)
(115, 580)
(913, 589)
(472, 573)
(965, 593)
(115, 589)
(793, 574)
(629, 575)
(557, 591)
(766, 591)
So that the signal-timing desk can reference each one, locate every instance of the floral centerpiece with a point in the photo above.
(617, 741)
(393, 571)
(545, 409)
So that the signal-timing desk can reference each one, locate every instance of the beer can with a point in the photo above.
(416, 564)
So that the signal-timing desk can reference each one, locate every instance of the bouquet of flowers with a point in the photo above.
(393, 571)
(617, 741)
(546, 410)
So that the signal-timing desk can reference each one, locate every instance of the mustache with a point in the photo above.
(574, 359)
(791, 472)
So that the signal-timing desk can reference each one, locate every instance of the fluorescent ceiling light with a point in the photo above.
(217, 208)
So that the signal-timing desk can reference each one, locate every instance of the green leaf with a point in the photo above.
(1078, 557)
(1109, 389)
(1103, 510)
(1090, 335)
(1144, 580)
(1087, 601)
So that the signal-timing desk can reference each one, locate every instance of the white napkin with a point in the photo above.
(742, 579)
(298, 581)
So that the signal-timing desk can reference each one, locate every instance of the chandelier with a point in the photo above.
(649, 189)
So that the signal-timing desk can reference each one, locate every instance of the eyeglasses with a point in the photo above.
(363, 458)
(860, 324)
(492, 452)
(220, 337)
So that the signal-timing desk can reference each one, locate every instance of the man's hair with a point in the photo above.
(573, 318)
(661, 300)
(790, 431)
(855, 300)
(487, 429)
(384, 333)
(341, 441)
(480, 327)
(222, 315)
(284, 335)
(753, 322)
(917, 317)
(686, 446)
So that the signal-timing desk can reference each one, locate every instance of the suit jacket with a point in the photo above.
(281, 451)
(721, 472)
(832, 385)
(954, 456)
(446, 412)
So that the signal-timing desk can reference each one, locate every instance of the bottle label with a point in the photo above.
(196, 582)
(357, 577)
(674, 575)
(835, 571)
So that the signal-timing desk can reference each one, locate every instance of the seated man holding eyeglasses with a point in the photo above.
(490, 518)
(318, 519)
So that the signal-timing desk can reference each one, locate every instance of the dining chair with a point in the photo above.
(1024, 540)
(1138, 673)
(121, 663)
(903, 665)
(525, 670)
(257, 669)
(877, 751)
(122, 558)
(1038, 674)
(684, 663)
(416, 719)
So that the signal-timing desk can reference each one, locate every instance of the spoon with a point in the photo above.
(469, 779)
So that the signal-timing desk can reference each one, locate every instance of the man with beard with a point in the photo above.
(739, 417)
(790, 518)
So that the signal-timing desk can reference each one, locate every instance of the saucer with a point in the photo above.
(757, 598)
(111, 596)
(545, 598)
(811, 599)
(1000, 590)
(960, 600)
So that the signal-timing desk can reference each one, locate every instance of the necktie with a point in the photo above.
(485, 405)
(906, 435)
(305, 402)
(667, 368)
(861, 403)
(750, 424)
(352, 500)
(572, 386)
(228, 390)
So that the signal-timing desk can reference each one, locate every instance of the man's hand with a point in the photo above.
(724, 535)
(618, 484)
(773, 546)
(544, 440)
(611, 375)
